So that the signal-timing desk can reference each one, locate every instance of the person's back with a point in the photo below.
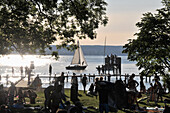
(132, 84)
(56, 98)
(103, 97)
(47, 93)
(91, 89)
(84, 82)
(74, 80)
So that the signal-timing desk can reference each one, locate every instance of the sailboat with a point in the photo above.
(78, 61)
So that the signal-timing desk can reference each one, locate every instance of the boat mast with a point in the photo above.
(79, 51)
(104, 47)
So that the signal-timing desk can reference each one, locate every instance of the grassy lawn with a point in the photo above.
(87, 101)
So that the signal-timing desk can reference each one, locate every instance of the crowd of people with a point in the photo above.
(15, 97)
(112, 96)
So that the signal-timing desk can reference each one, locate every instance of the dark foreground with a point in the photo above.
(90, 104)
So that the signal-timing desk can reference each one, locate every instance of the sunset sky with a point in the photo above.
(123, 15)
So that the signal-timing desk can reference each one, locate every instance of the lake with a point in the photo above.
(42, 63)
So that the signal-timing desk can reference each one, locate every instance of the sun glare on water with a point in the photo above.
(17, 60)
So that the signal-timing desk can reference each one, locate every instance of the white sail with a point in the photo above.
(78, 58)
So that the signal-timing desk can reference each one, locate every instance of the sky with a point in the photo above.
(123, 15)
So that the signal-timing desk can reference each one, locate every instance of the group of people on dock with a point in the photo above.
(112, 63)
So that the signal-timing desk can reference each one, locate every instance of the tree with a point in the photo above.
(151, 49)
(30, 26)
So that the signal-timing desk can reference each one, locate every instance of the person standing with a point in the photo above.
(12, 71)
(84, 82)
(74, 88)
(62, 78)
(11, 93)
(50, 69)
(50, 72)
(21, 69)
(56, 99)
(103, 97)
(47, 93)
(142, 86)
(29, 75)
(7, 76)
(26, 70)
(98, 69)
(132, 85)
(158, 89)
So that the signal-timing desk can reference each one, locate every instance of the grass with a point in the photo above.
(87, 101)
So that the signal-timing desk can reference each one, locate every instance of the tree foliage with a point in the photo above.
(30, 26)
(151, 49)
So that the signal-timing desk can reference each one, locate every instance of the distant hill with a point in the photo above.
(92, 50)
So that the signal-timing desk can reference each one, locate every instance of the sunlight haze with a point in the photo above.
(123, 15)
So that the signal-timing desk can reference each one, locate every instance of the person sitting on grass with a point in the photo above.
(91, 90)
(21, 97)
(32, 96)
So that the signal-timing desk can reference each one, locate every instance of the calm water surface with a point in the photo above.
(42, 63)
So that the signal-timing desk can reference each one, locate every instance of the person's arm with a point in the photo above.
(137, 84)
(63, 97)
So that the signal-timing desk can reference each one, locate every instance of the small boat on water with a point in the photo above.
(78, 61)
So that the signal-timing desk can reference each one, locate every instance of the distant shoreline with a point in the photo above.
(88, 50)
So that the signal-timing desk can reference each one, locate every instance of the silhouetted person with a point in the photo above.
(12, 71)
(109, 76)
(62, 78)
(96, 86)
(103, 69)
(50, 69)
(11, 93)
(101, 78)
(98, 69)
(56, 98)
(32, 65)
(132, 85)
(26, 70)
(84, 82)
(37, 83)
(74, 89)
(150, 93)
(50, 72)
(91, 89)
(103, 97)
(142, 86)
(74, 81)
(29, 75)
(21, 69)
(32, 96)
(107, 63)
(21, 97)
(3, 95)
(47, 93)
(158, 89)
